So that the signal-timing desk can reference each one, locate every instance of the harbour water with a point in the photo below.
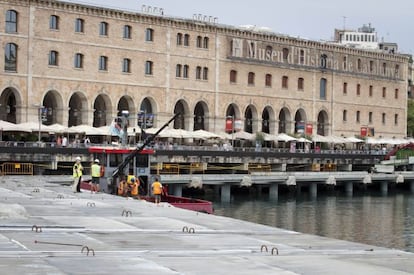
(370, 218)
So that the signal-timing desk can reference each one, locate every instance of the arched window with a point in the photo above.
(103, 29)
(11, 21)
(53, 58)
(149, 35)
(205, 73)
(186, 40)
(358, 89)
(250, 78)
(322, 88)
(127, 32)
(301, 84)
(198, 72)
(285, 81)
(268, 80)
(79, 25)
(10, 57)
(54, 22)
(103, 63)
(148, 67)
(178, 70)
(233, 76)
(126, 65)
(78, 62)
(179, 39)
(301, 57)
(344, 115)
(199, 41)
(186, 69)
(205, 42)
(357, 117)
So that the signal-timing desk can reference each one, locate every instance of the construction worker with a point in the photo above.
(157, 190)
(133, 187)
(96, 175)
(77, 175)
(122, 187)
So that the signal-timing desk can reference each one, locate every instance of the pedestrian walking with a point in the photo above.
(77, 175)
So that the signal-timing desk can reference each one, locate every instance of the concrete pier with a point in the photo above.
(313, 190)
(226, 192)
(384, 188)
(349, 188)
(47, 229)
(274, 191)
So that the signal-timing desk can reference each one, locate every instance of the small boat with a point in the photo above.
(193, 204)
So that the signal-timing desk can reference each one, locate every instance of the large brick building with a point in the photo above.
(86, 64)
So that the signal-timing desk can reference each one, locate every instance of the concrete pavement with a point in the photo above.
(47, 229)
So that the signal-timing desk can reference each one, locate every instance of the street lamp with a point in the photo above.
(40, 111)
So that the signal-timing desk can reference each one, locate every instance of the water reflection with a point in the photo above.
(372, 219)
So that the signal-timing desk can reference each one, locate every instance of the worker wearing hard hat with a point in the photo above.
(77, 175)
(96, 175)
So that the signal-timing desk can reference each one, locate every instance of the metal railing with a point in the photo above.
(11, 168)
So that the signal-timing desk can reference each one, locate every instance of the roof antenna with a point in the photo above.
(344, 17)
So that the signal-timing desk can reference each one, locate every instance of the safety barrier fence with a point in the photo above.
(12, 168)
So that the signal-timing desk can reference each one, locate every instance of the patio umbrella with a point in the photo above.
(284, 137)
(86, 129)
(203, 134)
(6, 126)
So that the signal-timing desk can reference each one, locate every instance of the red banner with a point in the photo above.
(229, 125)
(364, 131)
(309, 129)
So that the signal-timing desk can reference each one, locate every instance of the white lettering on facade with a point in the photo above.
(299, 56)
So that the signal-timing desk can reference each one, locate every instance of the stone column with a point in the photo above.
(313, 189)
(178, 190)
(225, 192)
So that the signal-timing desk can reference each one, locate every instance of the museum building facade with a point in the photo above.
(76, 64)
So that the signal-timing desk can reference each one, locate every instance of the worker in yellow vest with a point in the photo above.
(96, 175)
(77, 175)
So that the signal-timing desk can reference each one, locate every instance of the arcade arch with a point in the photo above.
(78, 109)
(183, 119)
(101, 116)
(284, 121)
(300, 121)
(53, 103)
(9, 100)
(200, 116)
(322, 123)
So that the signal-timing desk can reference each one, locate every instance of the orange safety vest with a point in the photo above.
(121, 188)
(134, 189)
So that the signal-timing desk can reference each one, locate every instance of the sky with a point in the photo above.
(309, 19)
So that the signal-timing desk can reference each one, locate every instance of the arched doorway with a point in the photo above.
(146, 114)
(77, 109)
(8, 101)
(182, 108)
(284, 119)
(266, 120)
(53, 106)
(250, 119)
(322, 124)
(200, 116)
(101, 116)
(300, 121)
